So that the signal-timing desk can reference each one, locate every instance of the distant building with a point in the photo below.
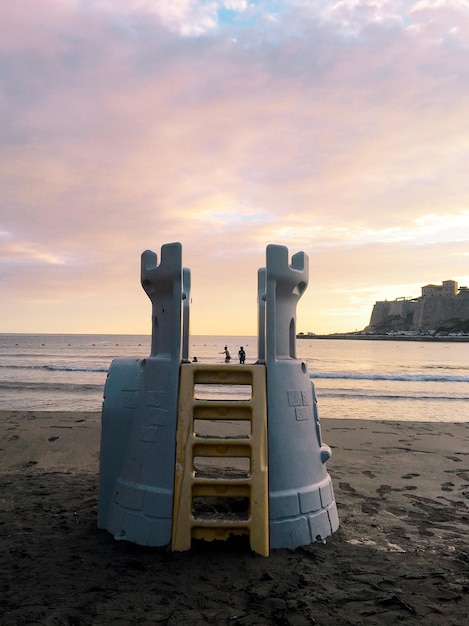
(442, 306)
(447, 288)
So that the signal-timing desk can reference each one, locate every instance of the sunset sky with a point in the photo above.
(337, 128)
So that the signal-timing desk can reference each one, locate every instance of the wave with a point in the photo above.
(50, 387)
(438, 378)
(59, 368)
(76, 368)
(51, 355)
(399, 377)
(350, 394)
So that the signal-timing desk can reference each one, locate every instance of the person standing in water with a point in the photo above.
(241, 355)
(227, 354)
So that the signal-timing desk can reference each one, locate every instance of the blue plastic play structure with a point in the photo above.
(146, 472)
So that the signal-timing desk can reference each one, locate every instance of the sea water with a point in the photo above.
(374, 380)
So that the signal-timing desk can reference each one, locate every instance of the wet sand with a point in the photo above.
(401, 555)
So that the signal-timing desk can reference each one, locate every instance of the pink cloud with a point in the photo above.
(124, 132)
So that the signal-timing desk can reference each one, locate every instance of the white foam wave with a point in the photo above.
(399, 377)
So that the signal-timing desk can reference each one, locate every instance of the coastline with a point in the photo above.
(435, 339)
(400, 554)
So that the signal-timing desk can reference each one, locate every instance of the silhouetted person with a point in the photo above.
(241, 355)
(227, 354)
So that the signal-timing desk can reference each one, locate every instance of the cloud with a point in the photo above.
(334, 128)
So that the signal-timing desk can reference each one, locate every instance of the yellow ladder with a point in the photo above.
(221, 476)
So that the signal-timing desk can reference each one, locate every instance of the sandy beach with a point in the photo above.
(401, 555)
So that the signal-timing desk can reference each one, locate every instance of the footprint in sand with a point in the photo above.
(384, 489)
(447, 486)
(369, 474)
(409, 476)
(347, 487)
(370, 507)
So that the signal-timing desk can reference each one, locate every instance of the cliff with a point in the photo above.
(392, 315)
(451, 313)
(447, 313)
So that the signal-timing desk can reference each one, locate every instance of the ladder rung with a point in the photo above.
(222, 448)
(222, 374)
(229, 409)
(220, 533)
(221, 489)
(202, 522)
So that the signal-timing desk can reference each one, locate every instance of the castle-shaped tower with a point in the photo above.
(149, 482)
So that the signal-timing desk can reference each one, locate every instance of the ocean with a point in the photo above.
(372, 380)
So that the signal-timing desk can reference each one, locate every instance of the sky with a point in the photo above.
(340, 129)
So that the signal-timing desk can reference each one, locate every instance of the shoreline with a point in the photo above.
(436, 339)
(400, 554)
